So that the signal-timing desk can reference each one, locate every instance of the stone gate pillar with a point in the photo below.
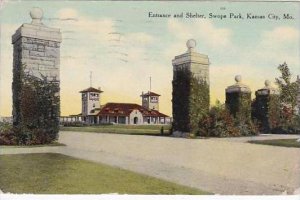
(266, 107)
(238, 99)
(190, 95)
(36, 47)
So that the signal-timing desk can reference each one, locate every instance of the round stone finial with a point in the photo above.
(267, 83)
(191, 43)
(238, 78)
(36, 15)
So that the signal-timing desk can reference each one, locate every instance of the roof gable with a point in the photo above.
(124, 109)
(91, 89)
(147, 94)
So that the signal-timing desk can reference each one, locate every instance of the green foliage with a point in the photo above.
(180, 100)
(273, 111)
(199, 103)
(266, 112)
(220, 123)
(162, 130)
(190, 101)
(7, 135)
(246, 128)
(36, 108)
(239, 105)
(289, 121)
(288, 89)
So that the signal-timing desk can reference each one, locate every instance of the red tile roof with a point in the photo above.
(124, 109)
(150, 94)
(91, 89)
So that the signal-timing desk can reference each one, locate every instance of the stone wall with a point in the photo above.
(38, 57)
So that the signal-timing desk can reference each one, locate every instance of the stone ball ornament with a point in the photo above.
(267, 83)
(36, 15)
(238, 78)
(191, 43)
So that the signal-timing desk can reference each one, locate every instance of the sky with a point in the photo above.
(123, 47)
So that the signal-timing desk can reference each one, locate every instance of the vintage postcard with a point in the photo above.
(150, 98)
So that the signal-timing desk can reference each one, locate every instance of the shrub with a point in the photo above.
(36, 108)
(7, 135)
(246, 128)
(162, 130)
(220, 123)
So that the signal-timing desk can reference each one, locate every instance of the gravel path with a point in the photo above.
(221, 166)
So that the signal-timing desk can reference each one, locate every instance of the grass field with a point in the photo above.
(122, 129)
(278, 142)
(59, 174)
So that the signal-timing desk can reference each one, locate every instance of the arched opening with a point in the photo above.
(135, 120)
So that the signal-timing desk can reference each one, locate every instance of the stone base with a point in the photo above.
(180, 134)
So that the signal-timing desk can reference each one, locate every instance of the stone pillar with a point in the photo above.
(190, 96)
(238, 99)
(266, 108)
(36, 48)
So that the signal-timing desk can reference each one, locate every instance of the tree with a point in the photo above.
(288, 100)
(288, 89)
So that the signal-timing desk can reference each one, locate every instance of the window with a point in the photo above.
(94, 96)
(154, 99)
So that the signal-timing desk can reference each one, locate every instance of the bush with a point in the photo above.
(36, 108)
(18, 135)
(162, 130)
(7, 135)
(73, 124)
(246, 128)
(291, 126)
(220, 123)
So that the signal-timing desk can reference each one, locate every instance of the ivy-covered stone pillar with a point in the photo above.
(266, 108)
(190, 95)
(36, 53)
(238, 100)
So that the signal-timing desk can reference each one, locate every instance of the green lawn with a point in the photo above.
(59, 174)
(278, 142)
(122, 129)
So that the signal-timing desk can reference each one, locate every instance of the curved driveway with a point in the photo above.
(221, 166)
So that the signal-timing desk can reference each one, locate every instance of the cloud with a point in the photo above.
(280, 35)
(205, 31)
(140, 38)
(115, 57)
(277, 46)
(67, 13)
